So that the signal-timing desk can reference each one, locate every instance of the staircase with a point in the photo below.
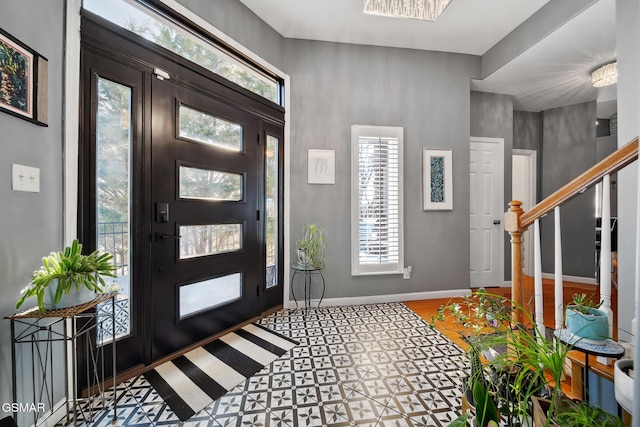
(517, 221)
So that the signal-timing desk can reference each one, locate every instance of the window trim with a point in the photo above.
(358, 269)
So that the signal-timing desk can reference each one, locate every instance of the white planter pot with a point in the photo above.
(73, 298)
(623, 384)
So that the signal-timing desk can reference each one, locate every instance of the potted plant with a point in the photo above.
(580, 414)
(623, 383)
(312, 246)
(62, 272)
(520, 375)
(485, 321)
(584, 320)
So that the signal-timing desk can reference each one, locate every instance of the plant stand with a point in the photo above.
(308, 272)
(609, 348)
(41, 338)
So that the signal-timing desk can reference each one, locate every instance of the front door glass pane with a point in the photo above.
(203, 240)
(210, 184)
(113, 194)
(202, 127)
(208, 294)
(271, 217)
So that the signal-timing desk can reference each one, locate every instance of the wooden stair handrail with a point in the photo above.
(517, 221)
(611, 164)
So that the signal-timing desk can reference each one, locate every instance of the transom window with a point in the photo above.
(141, 19)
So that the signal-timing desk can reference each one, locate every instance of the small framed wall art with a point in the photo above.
(321, 167)
(23, 80)
(437, 180)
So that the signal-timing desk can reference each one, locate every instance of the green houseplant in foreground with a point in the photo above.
(312, 246)
(70, 269)
(532, 367)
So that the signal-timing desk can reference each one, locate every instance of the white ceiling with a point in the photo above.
(466, 26)
(557, 70)
(554, 72)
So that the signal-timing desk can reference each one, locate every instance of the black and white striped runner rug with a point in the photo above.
(192, 381)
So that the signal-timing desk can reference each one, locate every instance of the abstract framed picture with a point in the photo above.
(321, 167)
(23, 80)
(437, 180)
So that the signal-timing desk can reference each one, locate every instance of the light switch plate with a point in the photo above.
(25, 178)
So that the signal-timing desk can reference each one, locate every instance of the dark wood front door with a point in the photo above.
(205, 264)
(198, 192)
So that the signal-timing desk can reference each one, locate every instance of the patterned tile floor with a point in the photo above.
(369, 365)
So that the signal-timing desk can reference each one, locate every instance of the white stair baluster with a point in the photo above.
(558, 300)
(605, 258)
(634, 338)
(537, 278)
(605, 252)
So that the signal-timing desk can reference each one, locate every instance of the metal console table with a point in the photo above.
(38, 333)
(308, 271)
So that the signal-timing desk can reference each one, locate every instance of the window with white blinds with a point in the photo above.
(376, 200)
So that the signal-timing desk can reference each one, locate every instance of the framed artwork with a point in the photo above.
(23, 81)
(437, 180)
(321, 167)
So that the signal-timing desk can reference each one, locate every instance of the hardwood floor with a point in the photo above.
(427, 308)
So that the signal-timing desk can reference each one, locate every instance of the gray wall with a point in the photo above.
(628, 33)
(569, 136)
(334, 86)
(31, 222)
(527, 132)
(492, 117)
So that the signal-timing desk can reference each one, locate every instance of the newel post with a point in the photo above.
(512, 226)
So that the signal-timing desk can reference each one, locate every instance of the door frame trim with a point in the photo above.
(532, 160)
(71, 94)
(501, 240)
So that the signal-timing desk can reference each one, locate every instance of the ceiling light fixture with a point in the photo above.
(426, 10)
(605, 75)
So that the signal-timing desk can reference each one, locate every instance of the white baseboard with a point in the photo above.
(506, 284)
(575, 279)
(378, 299)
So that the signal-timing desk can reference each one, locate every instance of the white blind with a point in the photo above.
(378, 192)
(377, 222)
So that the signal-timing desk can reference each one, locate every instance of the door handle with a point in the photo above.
(496, 221)
(167, 236)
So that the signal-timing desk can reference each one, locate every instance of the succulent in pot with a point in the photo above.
(584, 320)
(68, 271)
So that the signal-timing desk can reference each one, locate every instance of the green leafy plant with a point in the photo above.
(580, 414)
(519, 373)
(313, 245)
(583, 304)
(72, 270)
(486, 410)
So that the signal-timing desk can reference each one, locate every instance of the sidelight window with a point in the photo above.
(272, 214)
(113, 193)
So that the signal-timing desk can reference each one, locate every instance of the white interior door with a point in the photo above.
(486, 211)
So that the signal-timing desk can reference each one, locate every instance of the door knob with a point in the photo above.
(496, 221)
